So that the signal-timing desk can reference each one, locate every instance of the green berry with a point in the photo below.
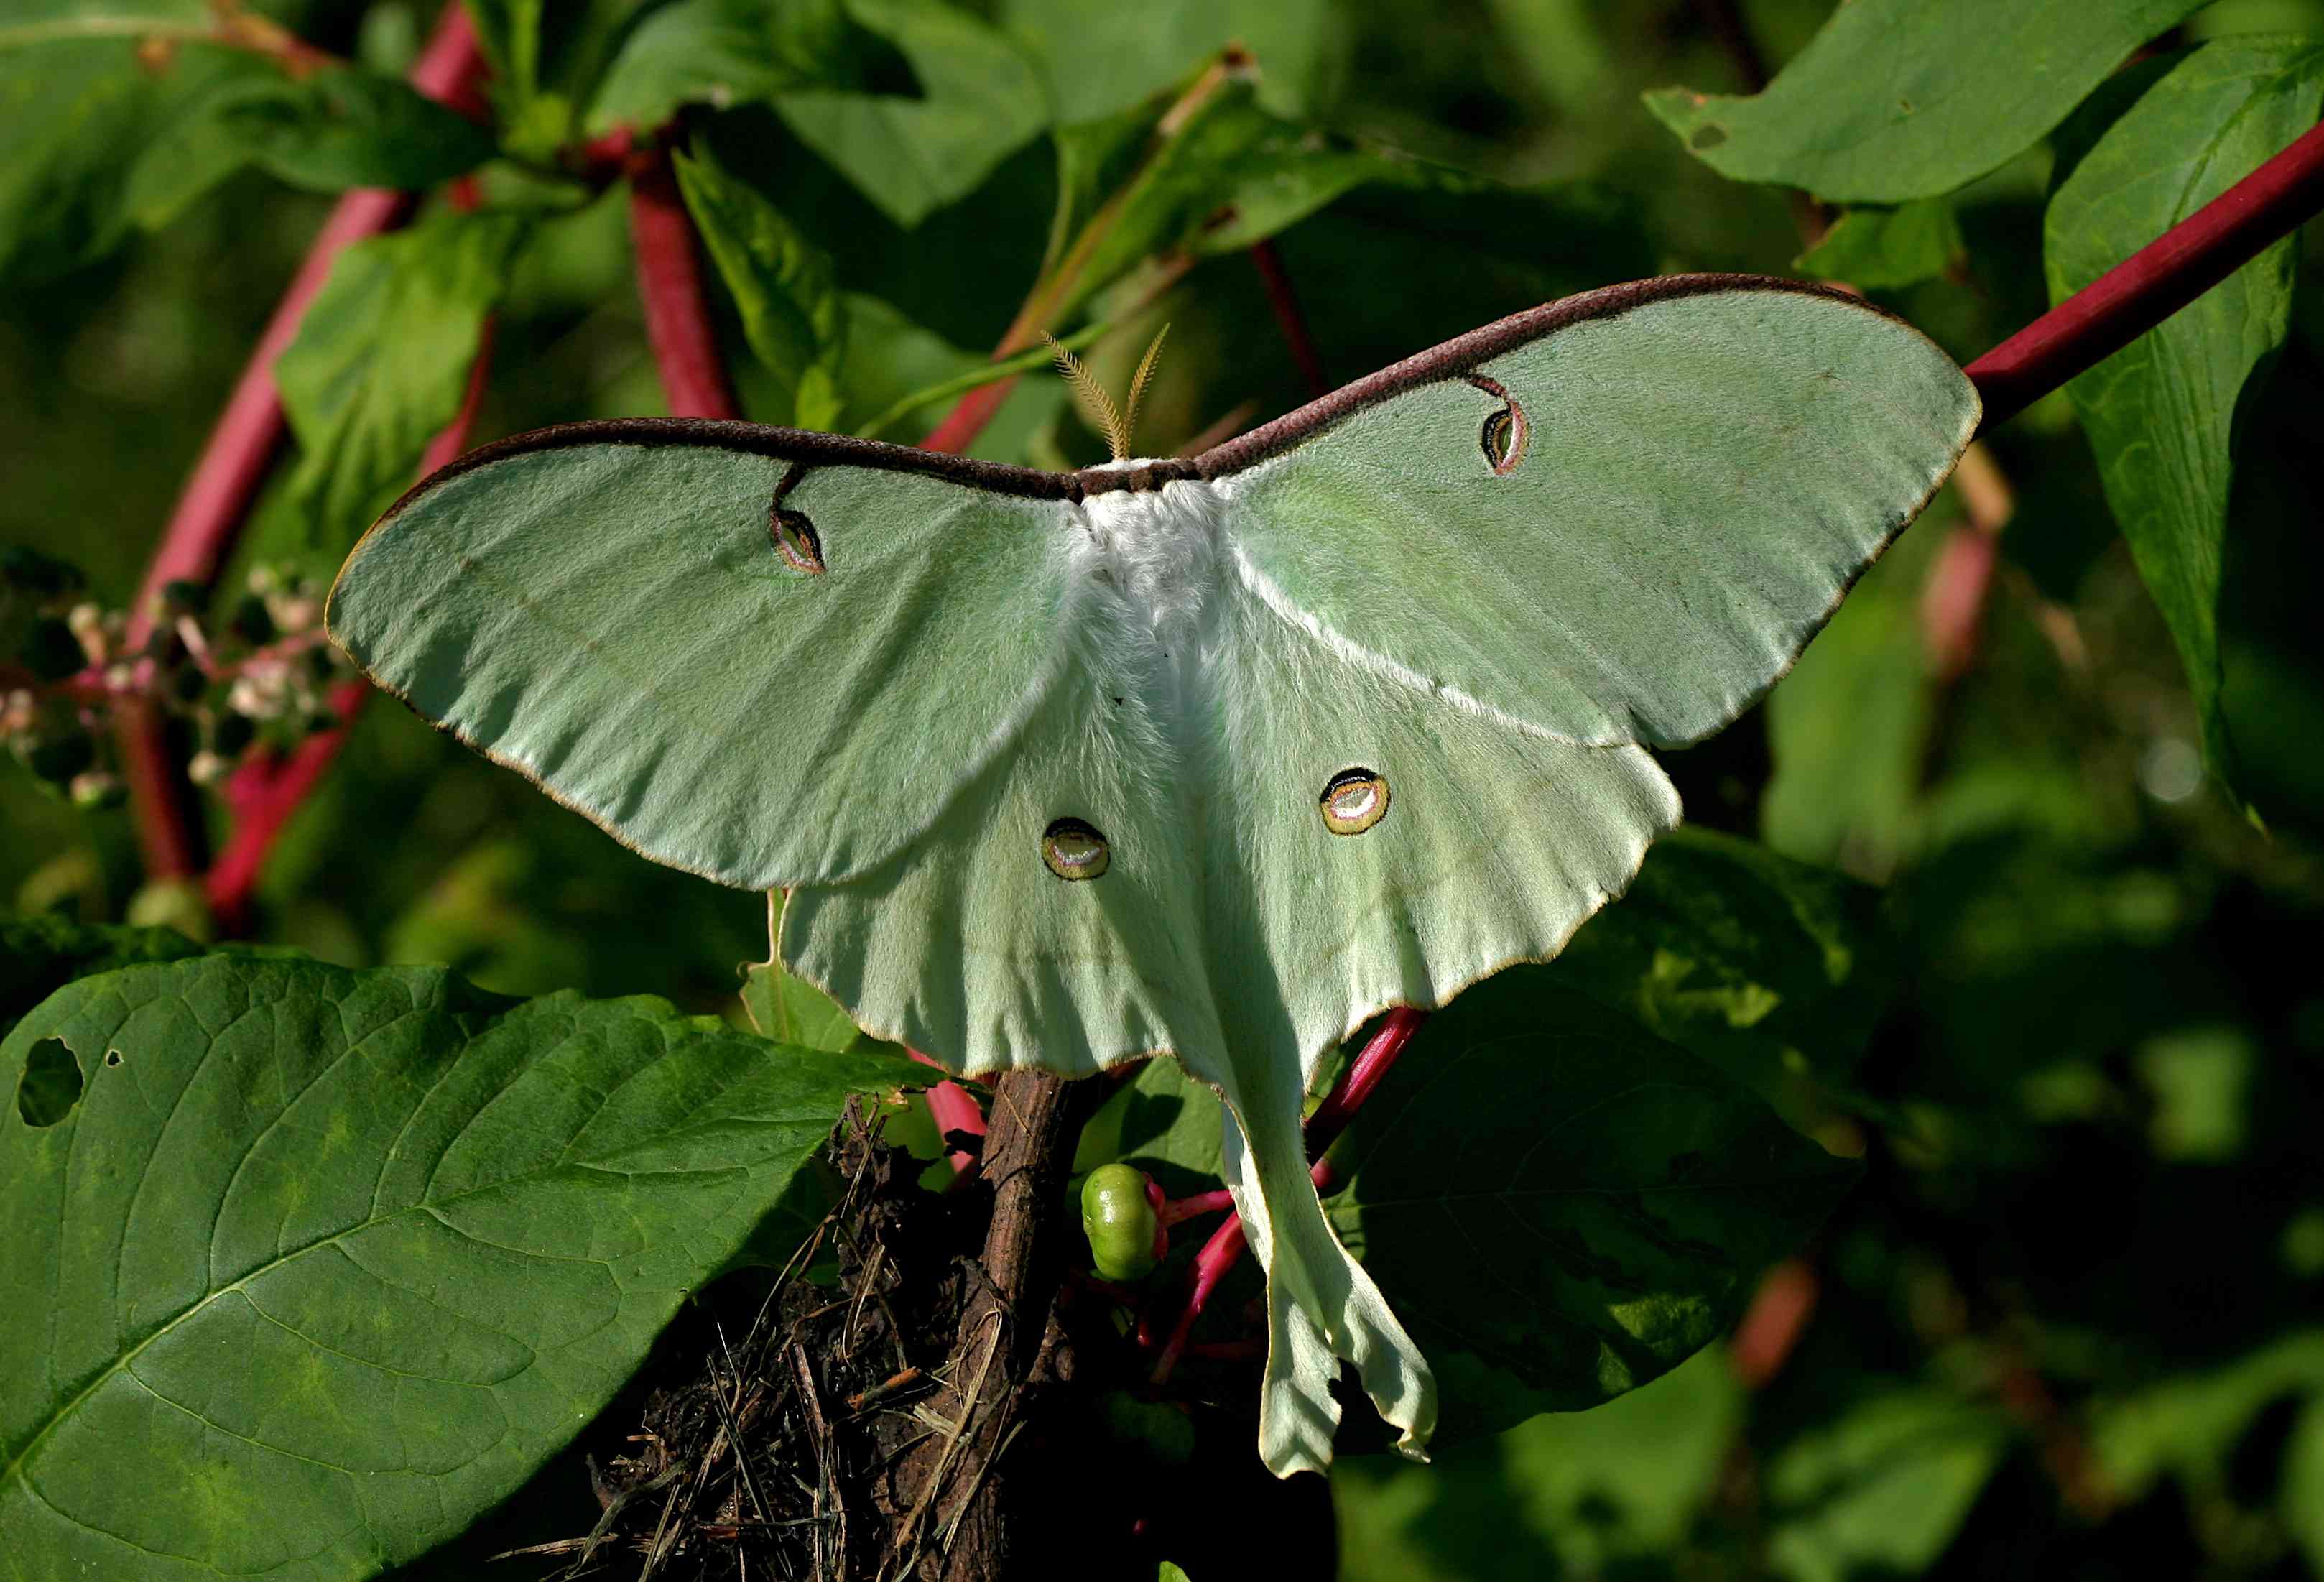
(1125, 1236)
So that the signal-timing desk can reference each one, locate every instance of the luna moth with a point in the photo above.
(1212, 757)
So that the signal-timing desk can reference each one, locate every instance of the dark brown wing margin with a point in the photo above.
(806, 448)
(1455, 357)
(802, 445)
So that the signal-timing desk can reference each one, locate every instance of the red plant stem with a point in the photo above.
(959, 428)
(1176, 1209)
(1288, 315)
(1772, 1325)
(669, 281)
(210, 514)
(2155, 281)
(1362, 1077)
(265, 790)
(954, 1109)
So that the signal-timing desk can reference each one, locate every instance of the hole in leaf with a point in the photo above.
(113, 1057)
(1709, 135)
(51, 1085)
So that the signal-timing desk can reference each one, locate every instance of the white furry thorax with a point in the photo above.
(1156, 554)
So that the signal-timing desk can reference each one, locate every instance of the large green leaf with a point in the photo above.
(785, 286)
(1102, 59)
(1880, 1490)
(1768, 967)
(1562, 1207)
(1608, 1493)
(979, 101)
(724, 52)
(1165, 1123)
(382, 362)
(324, 1263)
(2161, 413)
(101, 144)
(1226, 175)
(2189, 1426)
(40, 954)
(1876, 248)
(1848, 729)
(1898, 99)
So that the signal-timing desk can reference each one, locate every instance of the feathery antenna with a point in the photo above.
(1097, 406)
(1144, 377)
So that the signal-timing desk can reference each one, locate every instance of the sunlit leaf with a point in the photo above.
(1876, 248)
(335, 1259)
(784, 285)
(382, 362)
(2161, 412)
(1898, 99)
(978, 100)
(103, 142)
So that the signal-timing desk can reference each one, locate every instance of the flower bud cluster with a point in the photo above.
(256, 676)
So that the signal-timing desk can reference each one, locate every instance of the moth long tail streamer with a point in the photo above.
(1321, 1304)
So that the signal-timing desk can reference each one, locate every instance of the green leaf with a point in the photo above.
(101, 144)
(981, 100)
(1876, 248)
(1608, 1493)
(99, 148)
(339, 127)
(1165, 1123)
(1899, 99)
(382, 361)
(2302, 1500)
(1100, 59)
(329, 1260)
(1225, 175)
(2188, 1426)
(785, 286)
(1881, 1490)
(891, 364)
(509, 32)
(790, 1010)
(2161, 413)
(727, 52)
(40, 954)
(1849, 727)
(1561, 1207)
(1767, 967)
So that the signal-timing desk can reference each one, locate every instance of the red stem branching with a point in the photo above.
(211, 512)
(267, 789)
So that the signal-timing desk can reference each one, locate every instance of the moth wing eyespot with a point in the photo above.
(795, 540)
(1354, 801)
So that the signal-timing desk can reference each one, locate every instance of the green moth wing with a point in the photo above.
(1215, 757)
(1642, 502)
(710, 648)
